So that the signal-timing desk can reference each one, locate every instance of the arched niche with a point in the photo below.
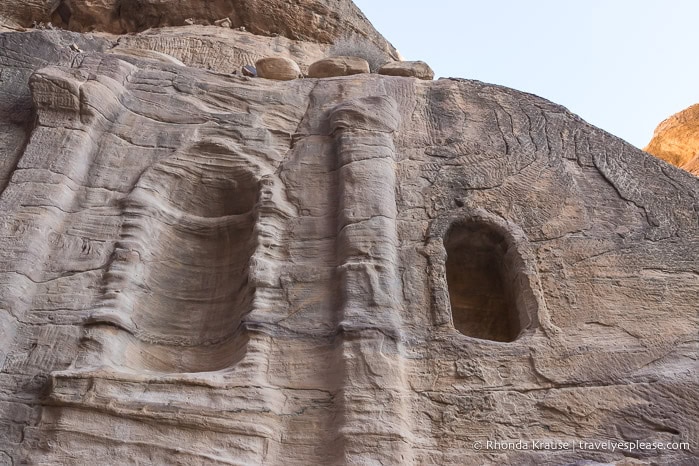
(489, 292)
(179, 282)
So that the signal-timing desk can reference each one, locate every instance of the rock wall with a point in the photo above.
(323, 21)
(201, 268)
(207, 268)
(219, 49)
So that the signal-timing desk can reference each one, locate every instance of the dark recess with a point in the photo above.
(481, 277)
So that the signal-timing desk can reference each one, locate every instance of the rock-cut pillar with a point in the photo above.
(372, 390)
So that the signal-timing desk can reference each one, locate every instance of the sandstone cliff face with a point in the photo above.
(218, 49)
(322, 21)
(676, 140)
(201, 268)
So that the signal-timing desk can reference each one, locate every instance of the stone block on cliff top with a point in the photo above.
(279, 68)
(338, 66)
(410, 69)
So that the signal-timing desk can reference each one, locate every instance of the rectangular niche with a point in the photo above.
(482, 270)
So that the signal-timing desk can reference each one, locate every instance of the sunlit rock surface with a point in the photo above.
(202, 268)
(676, 140)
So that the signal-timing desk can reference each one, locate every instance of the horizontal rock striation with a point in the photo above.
(323, 21)
(220, 49)
(201, 268)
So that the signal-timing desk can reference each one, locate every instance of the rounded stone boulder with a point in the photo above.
(409, 69)
(279, 68)
(338, 66)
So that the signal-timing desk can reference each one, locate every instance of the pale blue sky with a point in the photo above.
(622, 65)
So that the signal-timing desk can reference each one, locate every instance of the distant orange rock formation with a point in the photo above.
(676, 140)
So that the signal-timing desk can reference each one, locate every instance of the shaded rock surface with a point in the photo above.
(676, 140)
(204, 268)
(219, 49)
(20, 56)
(147, 54)
(309, 20)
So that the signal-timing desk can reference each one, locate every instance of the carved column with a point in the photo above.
(373, 386)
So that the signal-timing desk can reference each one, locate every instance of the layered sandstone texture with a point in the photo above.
(676, 140)
(217, 35)
(323, 21)
(203, 268)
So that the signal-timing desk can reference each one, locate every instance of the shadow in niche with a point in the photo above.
(485, 280)
(178, 283)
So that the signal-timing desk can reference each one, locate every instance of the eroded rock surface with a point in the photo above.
(219, 49)
(322, 21)
(20, 56)
(200, 268)
(676, 140)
